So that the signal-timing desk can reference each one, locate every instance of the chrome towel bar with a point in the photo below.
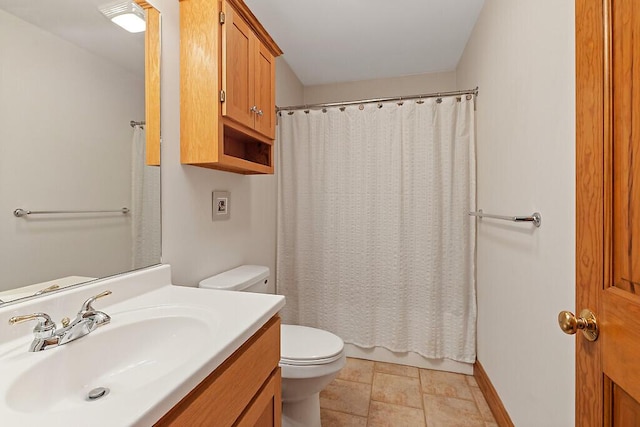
(24, 212)
(535, 218)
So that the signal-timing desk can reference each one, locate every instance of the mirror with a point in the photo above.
(79, 178)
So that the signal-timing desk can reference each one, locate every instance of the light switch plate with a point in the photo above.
(221, 204)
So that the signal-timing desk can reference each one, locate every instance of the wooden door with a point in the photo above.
(608, 210)
(265, 91)
(238, 68)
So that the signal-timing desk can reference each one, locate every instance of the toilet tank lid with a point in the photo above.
(236, 279)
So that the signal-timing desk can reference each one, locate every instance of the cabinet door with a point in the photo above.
(266, 408)
(238, 80)
(265, 91)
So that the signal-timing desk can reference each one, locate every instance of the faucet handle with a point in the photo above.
(47, 289)
(99, 318)
(86, 306)
(45, 326)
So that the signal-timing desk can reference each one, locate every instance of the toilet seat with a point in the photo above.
(304, 346)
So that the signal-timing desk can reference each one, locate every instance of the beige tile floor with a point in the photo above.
(375, 394)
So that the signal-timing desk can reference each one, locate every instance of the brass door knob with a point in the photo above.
(570, 324)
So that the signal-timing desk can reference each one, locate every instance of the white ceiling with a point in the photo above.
(324, 41)
(81, 23)
(329, 41)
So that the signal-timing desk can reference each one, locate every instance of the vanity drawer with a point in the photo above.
(223, 396)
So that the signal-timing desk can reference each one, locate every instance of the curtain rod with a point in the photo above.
(133, 123)
(473, 92)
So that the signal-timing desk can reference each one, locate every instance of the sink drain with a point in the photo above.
(97, 393)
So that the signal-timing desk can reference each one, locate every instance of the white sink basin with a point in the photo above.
(159, 345)
(132, 352)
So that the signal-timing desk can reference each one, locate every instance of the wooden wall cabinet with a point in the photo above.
(244, 391)
(248, 75)
(227, 87)
(152, 83)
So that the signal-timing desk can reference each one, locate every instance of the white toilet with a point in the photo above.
(310, 358)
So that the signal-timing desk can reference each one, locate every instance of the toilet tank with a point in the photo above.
(247, 278)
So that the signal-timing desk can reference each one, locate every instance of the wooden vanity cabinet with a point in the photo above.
(244, 391)
(227, 87)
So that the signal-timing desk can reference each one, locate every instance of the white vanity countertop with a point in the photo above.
(160, 344)
(29, 290)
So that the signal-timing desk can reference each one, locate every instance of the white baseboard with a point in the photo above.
(380, 354)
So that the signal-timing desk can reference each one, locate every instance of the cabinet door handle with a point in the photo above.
(254, 109)
(259, 112)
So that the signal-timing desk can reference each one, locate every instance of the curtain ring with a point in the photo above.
(306, 111)
(439, 100)
(343, 108)
(469, 97)
(290, 113)
(324, 110)
(360, 107)
(380, 105)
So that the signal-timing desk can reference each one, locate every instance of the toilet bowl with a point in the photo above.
(310, 358)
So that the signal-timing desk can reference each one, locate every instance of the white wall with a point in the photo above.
(521, 55)
(379, 88)
(194, 245)
(289, 90)
(60, 106)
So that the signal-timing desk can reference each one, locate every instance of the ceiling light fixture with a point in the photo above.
(127, 14)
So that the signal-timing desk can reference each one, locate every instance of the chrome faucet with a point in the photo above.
(47, 335)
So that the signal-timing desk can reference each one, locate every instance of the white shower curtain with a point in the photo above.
(374, 239)
(145, 205)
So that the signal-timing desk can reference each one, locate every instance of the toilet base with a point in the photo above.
(302, 413)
